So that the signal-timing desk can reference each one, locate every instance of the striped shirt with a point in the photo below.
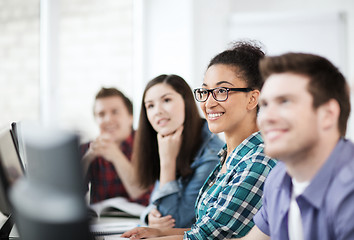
(227, 202)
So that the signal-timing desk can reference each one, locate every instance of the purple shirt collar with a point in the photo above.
(316, 190)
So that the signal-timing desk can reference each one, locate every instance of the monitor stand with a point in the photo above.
(6, 229)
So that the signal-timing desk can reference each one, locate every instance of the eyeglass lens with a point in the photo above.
(220, 94)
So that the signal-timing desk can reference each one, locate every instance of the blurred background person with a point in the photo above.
(173, 148)
(106, 160)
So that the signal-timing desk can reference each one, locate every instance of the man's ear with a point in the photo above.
(253, 99)
(329, 114)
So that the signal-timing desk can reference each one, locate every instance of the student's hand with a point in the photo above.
(169, 146)
(89, 156)
(95, 146)
(158, 221)
(141, 232)
(107, 148)
(93, 151)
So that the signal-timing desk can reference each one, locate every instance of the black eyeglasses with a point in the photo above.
(220, 94)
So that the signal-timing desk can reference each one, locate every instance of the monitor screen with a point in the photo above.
(54, 206)
(16, 131)
(10, 167)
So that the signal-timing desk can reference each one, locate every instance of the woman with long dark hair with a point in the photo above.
(174, 150)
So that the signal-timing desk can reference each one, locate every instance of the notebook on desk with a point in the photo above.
(122, 215)
(112, 228)
(117, 206)
(110, 237)
(113, 237)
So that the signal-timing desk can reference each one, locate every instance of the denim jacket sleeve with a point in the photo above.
(177, 198)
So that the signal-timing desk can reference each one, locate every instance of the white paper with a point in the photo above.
(113, 237)
(112, 227)
(118, 203)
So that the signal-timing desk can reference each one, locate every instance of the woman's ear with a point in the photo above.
(253, 99)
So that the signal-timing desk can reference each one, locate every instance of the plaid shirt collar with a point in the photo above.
(242, 149)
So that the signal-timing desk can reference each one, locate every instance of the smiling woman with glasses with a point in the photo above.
(232, 194)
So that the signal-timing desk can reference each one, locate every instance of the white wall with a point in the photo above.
(19, 60)
(93, 46)
(96, 49)
(169, 38)
(173, 36)
(322, 33)
(315, 6)
(211, 23)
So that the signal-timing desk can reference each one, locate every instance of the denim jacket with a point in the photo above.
(177, 198)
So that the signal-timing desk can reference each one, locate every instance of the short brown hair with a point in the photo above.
(111, 92)
(326, 81)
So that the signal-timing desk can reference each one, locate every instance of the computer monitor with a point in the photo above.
(54, 206)
(11, 169)
(17, 135)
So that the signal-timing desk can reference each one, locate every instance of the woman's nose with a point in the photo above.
(158, 109)
(210, 102)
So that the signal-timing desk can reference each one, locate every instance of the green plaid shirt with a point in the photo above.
(227, 202)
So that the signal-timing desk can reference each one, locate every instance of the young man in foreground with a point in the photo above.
(304, 108)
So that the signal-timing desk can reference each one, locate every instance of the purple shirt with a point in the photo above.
(326, 205)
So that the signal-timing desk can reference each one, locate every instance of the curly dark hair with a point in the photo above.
(244, 56)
